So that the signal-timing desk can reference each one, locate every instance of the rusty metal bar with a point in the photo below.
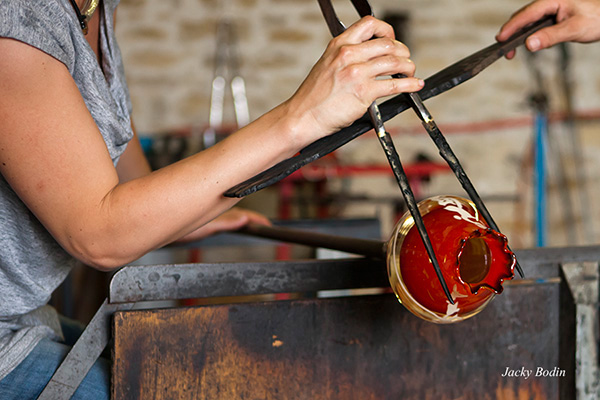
(164, 282)
(184, 281)
(583, 279)
(558, 255)
(83, 354)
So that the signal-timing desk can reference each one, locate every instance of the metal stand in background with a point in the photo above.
(551, 156)
(541, 135)
(226, 70)
(579, 175)
(582, 280)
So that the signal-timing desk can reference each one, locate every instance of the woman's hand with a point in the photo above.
(231, 220)
(576, 21)
(343, 83)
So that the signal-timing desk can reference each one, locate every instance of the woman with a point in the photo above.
(75, 185)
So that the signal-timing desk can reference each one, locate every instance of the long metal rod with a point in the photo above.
(541, 123)
(365, 247)
(387, 144)
(83, 354)
(539, 103)
(548, 154)
(576, 147)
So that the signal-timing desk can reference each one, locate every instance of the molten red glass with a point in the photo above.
(474, 260)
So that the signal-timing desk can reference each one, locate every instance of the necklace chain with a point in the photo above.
(85, 14)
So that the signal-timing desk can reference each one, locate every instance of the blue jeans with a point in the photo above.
(31, 376)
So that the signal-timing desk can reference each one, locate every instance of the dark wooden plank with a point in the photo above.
(366, 347)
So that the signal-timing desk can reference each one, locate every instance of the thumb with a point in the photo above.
(550, 36)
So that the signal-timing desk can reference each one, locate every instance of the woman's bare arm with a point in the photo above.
(53, 156)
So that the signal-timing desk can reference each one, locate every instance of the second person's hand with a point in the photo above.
(576, 21)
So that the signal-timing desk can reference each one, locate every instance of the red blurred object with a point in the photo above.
(319, 172)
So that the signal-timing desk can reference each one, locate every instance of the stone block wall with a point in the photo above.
(169, 48)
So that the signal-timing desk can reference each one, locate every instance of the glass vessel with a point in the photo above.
(474, 260)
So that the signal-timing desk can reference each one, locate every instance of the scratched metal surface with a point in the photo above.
(365, 347)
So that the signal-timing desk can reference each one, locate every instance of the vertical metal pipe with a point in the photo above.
(541, 127)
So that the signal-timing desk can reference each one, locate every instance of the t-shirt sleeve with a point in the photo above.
(41, 24)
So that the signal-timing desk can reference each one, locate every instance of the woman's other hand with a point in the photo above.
(231, 220)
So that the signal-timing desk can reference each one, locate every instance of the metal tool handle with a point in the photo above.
(365, 247)
(411, 203)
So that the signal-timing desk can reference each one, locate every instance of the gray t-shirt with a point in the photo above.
(32, 263)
